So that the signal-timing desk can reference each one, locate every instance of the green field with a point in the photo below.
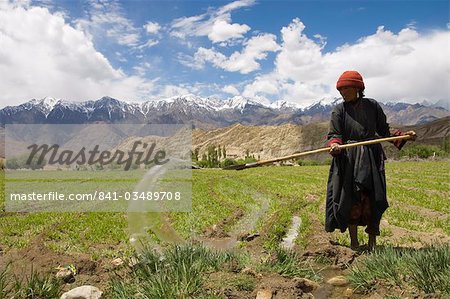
(267, 197)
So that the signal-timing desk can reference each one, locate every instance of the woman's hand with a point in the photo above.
(335, 149)
(412, 134)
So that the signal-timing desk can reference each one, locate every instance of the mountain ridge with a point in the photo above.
(201, 112)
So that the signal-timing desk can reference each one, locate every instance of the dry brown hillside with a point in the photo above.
(433, 132)
(265, 142)
(262, 141)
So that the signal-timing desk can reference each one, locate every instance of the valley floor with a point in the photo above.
(236, 245)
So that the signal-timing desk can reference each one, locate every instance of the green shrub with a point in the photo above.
(202, 163)
(228, 162)
(422, 151)
(22, 162)
(178, 272)
(427, 269)
(307, 162)
(35, 286)
(246, 160)
(287, 263)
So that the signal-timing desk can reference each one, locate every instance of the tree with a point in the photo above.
(212, 159)
(22, 162)
(12, 163)
(194, 154)
(219, 153)
(446, 145)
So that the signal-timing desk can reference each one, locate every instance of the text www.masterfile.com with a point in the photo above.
(97, 195)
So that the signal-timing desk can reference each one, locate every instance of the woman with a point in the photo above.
(356, 190)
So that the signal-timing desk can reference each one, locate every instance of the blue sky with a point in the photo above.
(267, 50)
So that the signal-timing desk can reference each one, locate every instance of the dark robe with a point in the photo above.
(359, 169)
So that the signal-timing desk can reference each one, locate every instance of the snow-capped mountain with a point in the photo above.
(198, 111)
(284, 105)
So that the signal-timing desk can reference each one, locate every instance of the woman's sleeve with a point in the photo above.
(335, 131)
(384, 130)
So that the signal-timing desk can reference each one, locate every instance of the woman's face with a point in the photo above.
(349, 93)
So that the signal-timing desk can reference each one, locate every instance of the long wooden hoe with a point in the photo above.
(320, 150)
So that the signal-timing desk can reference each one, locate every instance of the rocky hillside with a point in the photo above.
(268, 142)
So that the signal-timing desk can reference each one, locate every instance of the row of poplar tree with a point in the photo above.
(216, 156)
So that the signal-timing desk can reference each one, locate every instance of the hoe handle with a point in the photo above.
(316, 151)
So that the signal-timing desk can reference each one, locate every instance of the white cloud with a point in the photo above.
(235, 5)
(108, 19)
(148, 44)
(300, 57)
(222, 31)
(407, 66)
(173, 90)
(208, 55)
(216, 25)
(152, 27)
(262, 86)
(41, 55)
(142, 68)
(244, 62)
(231, 90)
(189, 61)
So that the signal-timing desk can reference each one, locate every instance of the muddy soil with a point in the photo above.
(36, 257)
(321, 247)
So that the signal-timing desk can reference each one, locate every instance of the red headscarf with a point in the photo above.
(350, 79)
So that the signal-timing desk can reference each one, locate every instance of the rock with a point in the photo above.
(305, 284)
(83, 292)
(65, 275)
(338, 281)
(133, 262)
(308, 253)
(348, 293)
(249, 237)
(248, 271)
(117, 262)
(264, 294)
